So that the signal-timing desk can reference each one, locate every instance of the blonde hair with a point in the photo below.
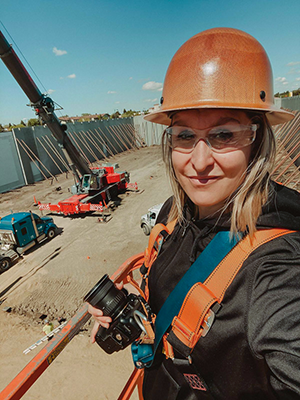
(247, 201)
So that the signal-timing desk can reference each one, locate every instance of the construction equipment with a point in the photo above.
(21, 231)
(94, 187)
(93, 192)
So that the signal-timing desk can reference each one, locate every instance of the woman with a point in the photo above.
(219, 150)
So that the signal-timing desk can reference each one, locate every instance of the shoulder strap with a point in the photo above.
(199, 271)
(208, 260)
(157, 236)
(203, 299)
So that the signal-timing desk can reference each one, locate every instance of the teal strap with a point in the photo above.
(199, 271)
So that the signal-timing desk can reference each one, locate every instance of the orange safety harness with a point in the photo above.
(203, 299)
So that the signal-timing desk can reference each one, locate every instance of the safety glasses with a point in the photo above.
(221, 139)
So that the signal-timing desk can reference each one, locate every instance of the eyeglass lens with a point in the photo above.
(221, 138)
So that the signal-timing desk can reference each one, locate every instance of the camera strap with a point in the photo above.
(191, 306)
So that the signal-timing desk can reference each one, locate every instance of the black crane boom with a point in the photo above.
(44, 107)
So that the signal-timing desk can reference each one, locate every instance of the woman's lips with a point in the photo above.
(203, 180)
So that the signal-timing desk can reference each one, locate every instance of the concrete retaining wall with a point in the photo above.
(31, 154)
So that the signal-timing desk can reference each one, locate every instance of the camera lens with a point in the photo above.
(106, 297)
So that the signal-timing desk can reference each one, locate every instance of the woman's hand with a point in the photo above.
(100, 320)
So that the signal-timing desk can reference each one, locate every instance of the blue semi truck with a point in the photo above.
(21, 231)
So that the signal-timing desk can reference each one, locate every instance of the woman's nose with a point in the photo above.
(202, 156)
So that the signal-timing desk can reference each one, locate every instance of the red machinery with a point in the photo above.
(97, 190)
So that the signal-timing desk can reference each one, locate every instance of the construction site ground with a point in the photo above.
(52, 279)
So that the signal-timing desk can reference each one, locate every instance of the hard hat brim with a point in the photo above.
(274, 115)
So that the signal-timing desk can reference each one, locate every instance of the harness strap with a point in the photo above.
(157, 236)
(203, 299)
(208, 260)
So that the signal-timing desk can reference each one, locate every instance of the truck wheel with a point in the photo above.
(4, 264)
(146, 229)
(51, 233)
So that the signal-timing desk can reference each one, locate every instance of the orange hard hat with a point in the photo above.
(219, 68)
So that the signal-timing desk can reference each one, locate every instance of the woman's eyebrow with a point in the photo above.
(224, 120)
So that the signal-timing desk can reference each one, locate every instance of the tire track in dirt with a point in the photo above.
(21, 279)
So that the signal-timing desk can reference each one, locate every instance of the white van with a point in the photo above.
(149, 220)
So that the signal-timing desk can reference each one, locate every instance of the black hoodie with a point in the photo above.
(252, 350)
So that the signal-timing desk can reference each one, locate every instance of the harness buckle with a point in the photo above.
(167, 348)
(207, 322)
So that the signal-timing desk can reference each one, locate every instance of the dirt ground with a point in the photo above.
(53, 279)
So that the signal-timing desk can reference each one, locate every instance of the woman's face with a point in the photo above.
(207, 177)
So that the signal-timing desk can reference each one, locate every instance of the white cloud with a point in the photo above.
(59, 52)
(291, 64)
(117, 102)
(151, 100)
(72, 76)
(111, 92)
(280, 79)
(151, 85)
(50, 91)
(284, 83)
(130, 78)
(297, 79)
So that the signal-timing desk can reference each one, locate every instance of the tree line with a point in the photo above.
(84, 117)
(295, 92)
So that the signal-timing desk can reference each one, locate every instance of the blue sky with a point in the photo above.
(98, 56)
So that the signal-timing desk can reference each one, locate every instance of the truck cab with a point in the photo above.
(21, 231)
(149, 220)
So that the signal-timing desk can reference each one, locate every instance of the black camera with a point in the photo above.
(126, 311)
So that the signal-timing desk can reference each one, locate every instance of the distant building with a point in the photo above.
(90, 117)
(155, 107)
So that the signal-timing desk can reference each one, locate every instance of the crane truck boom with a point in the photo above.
(43, 105)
